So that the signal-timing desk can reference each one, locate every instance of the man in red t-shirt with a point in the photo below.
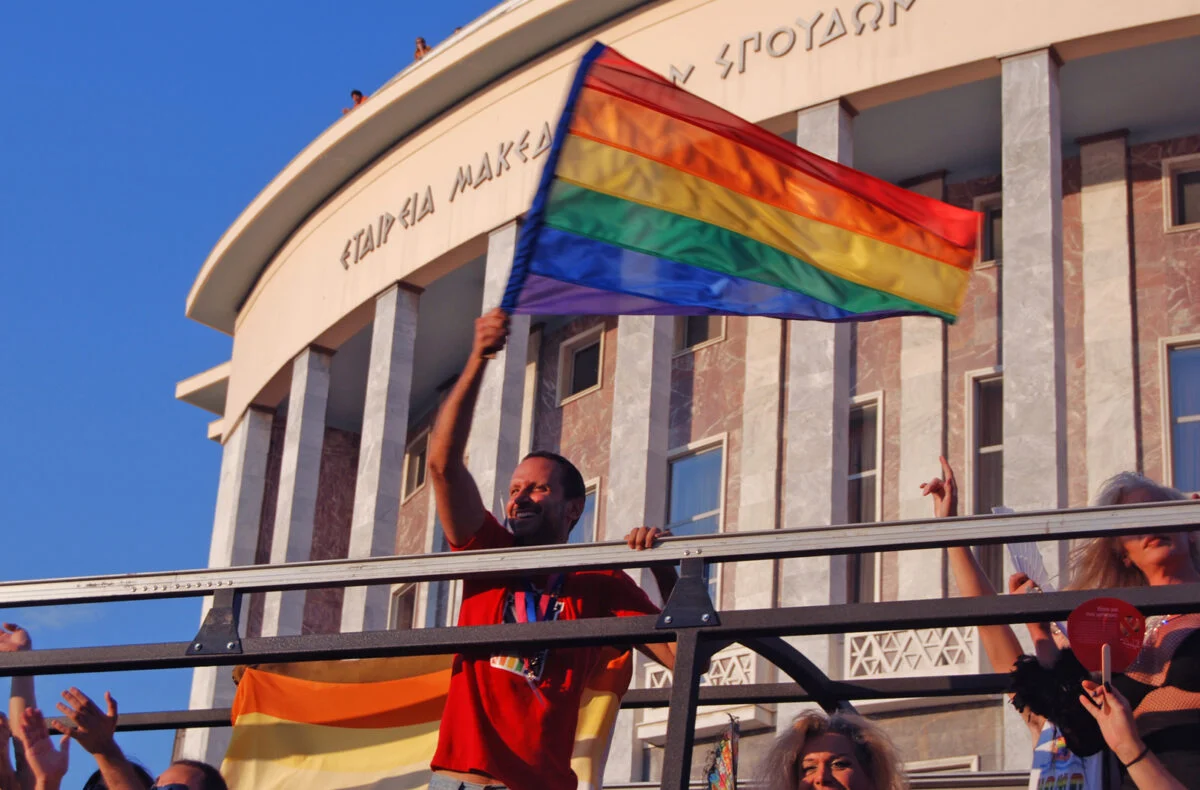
(510, 720)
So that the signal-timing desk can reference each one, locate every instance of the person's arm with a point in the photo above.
(49, 765)
(96, 732)
(13, 639)
(8, 777)
(1111, 711)
(999, 641)
(641, 539)
(457, 496)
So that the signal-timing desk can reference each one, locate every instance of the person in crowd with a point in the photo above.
(47, 762)
(96, 780)
(840, 751)
(1163, 683)
(356, 98)
(95, 730)
(1111, 711)
(8, 776)
(190, 775)
(13, 639)
(422, 49)
(510, 719)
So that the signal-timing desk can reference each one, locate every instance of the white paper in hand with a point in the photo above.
(1028, 560)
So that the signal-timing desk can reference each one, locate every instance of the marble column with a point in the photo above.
(818, 416)
(492, 449)
(377, 488)
(235, 536)
(921, 573)
(1107, 309)
(1032, 321)
(637, 475)
(300, 469)
(758, 501)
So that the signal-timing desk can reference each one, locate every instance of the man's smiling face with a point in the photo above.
(539, 514)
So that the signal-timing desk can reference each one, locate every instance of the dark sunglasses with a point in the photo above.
(175, 786)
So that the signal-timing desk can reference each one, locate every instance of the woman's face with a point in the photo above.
(829, 763)
(1155, 551)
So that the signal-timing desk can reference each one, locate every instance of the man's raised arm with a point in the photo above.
(458, 502)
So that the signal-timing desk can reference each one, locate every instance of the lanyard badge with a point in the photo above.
(531, 605)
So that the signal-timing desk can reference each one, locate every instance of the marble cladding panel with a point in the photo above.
(876, 368)
(1073, 353)
(266, 528)
(707, 386)
(1166, 285)
(581, 430)
(331, 525)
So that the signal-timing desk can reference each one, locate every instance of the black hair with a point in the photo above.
(355, 93)
(573, 485)
(96, 780)
(212, 777)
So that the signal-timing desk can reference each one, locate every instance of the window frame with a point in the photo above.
(395, 593)
(983, 204)
(720, 440)
(1172, 167)
(566, 363)
(425, 590)
(405, 495)
(1165, 346)
(592, 486)
(681, 336)
(972, 378)
(875, 399)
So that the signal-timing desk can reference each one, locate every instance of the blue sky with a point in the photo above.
(134, 134)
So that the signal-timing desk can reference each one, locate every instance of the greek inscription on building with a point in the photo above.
(807, 32)
(470, 176)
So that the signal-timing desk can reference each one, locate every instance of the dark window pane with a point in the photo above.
(1187, 198)
(417, 458)
(585, 528)
(861, 505)
(585, 368)
(1185, 451)
(862, 438)
(993, 234)
(700, 328)
(989, 481)
(405, 612)
(695, 485)
(1184, 366)
(862, 578)
(989, 412)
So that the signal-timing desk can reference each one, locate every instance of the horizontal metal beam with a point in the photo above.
(735, 626)
(727, 547)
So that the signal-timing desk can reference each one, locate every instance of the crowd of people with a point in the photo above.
(420, 50)
(39, 761)
(510, 715)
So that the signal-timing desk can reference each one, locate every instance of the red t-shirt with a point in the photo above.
(494, 722)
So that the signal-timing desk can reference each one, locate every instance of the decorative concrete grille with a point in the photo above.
(733, 666)
(926, 651)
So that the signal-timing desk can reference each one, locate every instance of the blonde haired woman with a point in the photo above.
(833, 752)
(1162, 686)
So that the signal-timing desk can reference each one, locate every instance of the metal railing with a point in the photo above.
(688, 619)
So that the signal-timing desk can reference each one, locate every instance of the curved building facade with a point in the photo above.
(350, 283)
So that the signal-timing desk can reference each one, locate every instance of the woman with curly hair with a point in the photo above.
(833, 752)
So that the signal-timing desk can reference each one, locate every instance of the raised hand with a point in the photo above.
(49, 765)
(944, 491)
(93, 728)
(14, 638)
(491, 332)
(1111, 711)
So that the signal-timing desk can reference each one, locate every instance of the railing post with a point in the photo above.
(681, 721)
(219, 631)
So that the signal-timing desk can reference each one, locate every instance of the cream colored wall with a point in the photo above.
(306, 290)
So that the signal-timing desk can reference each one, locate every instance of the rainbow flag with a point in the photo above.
(654, 201)
(352, 725)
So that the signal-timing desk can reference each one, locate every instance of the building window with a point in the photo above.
(1181, 192)
(693, 331)
(439, 600)
(1183, 372)
(694, 485)
(585, 529)
(579, 360)
(987, 459)
(404, 608)
(416, 462)
(862, 488)
(991, 249)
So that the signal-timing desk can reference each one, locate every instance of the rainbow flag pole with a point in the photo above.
(654, 201)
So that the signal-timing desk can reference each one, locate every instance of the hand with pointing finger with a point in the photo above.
(944, 491)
